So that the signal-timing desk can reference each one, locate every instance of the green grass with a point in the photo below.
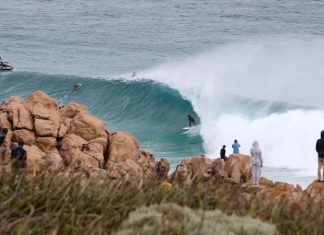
(51, 204)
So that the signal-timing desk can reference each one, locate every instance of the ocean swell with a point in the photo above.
(269, 91)
(265, 90)
(155, 113)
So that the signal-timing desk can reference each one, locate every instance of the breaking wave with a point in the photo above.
(270, 91)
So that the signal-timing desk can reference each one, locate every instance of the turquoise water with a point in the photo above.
(245, 69)
(154, 113)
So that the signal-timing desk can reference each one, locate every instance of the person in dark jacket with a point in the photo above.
(18, 158)
(320, 151)
(3, 132)
(191, 120)
(223, 153)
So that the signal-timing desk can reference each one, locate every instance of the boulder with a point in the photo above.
(125, 173)
(87, 126)
(122, 146)
(22, 118)
(182, 174)
(191, 169)
(266, 182)
(128, 164)
(55, 161)
(10, 116)
(4, 120)
(65, 125)
(36, 159)
(101, 140)
(94, 150)
(270, 194)
(148, 164)
(218, 169)
(282, 188)
(5, 166)
(42, 106)
(72, 109)
(85, 162)
(26, 136)
(9, 137)
(163, 168)
(46, 143)
(46, 128)
(70, 147)
(238, 167)
(79, 154)
(201, 167)
(316, 191)
(16, 99)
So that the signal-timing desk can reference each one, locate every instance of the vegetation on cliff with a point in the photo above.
(56, 204)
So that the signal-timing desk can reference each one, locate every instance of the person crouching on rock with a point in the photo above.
(320, 152)
(223, 153)
(256, 163)
(18, 158)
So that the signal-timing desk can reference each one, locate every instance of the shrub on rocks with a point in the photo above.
(173, 219)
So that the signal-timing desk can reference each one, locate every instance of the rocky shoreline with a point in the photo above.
(69, 140)
(72, 139)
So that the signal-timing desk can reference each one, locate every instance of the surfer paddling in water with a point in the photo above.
(191, 120)
(76, 88)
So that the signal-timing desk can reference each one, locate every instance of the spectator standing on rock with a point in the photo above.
(236, 147)
(320, 151)
(256, 163)
(223, 153)
(18, 158)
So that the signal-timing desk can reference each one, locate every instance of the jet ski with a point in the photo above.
(5, 66)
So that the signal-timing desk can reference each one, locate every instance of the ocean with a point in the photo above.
(246, 70)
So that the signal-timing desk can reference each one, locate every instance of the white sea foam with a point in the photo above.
(287, 140)
(289, 71)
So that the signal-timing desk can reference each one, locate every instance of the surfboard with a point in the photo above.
(189, 128)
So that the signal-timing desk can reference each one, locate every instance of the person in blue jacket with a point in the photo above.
(236, 147)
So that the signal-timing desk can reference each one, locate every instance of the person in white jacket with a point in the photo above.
(256, 163)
